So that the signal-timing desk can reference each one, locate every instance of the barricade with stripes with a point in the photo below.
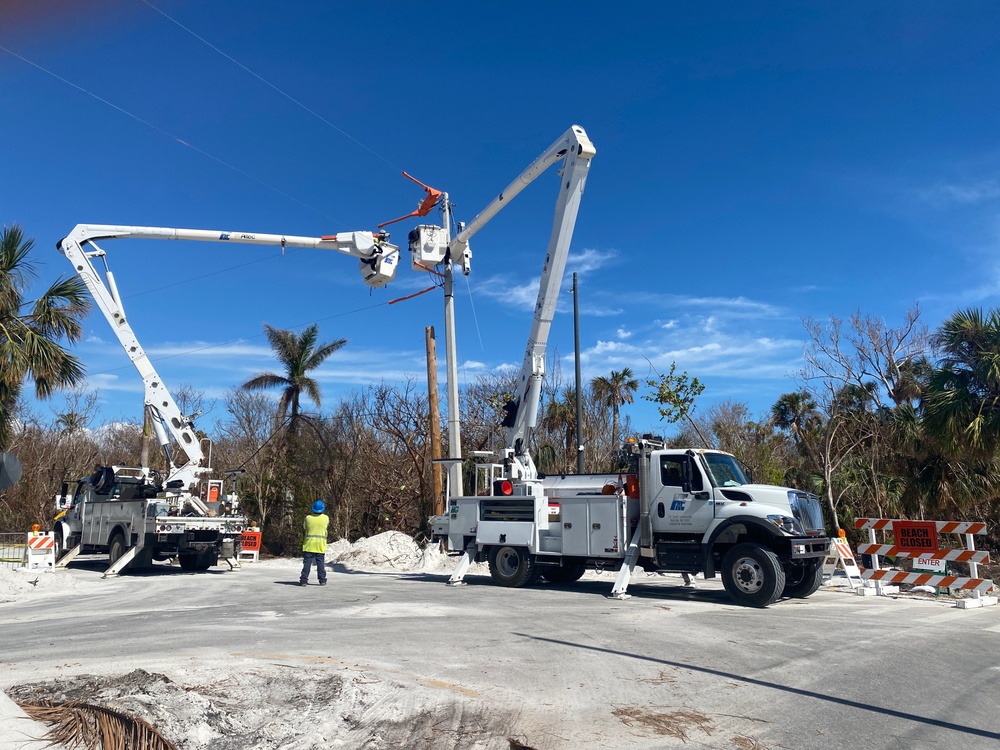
(840, 556)
(40, 552)
(969, 554)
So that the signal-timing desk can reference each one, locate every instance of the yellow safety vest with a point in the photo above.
(315, 526)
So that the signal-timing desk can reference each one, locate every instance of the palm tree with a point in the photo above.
(615, 390)
(962, 403)
(559, 419)
(799, 415)
(297, 354)
(30, 332)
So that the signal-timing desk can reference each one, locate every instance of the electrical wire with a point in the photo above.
(242, 339)
(266, 82)
(173, 137)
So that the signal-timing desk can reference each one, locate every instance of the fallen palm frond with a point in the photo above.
(76, 724)
(674, 724)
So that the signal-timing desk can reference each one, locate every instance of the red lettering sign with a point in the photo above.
(251, 541)
(915, 536)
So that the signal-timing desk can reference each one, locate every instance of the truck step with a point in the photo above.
(679, 557)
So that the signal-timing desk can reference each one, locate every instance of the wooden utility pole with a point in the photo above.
(435, 426)
(147, 437)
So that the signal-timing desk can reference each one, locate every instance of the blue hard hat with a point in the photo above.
(319, 506)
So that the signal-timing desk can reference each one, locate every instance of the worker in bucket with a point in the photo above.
(314, 544)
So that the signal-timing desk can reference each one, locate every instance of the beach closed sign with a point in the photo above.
(915, 536)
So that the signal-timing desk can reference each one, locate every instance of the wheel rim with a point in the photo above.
(508, 562)
(748, 575)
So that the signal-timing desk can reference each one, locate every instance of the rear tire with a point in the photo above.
(752, 574)
(117, 547)
(564, 573)
(803, 580)
(512, 566)
(196, 562)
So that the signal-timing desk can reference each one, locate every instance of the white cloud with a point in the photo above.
(601, 312)
(623, 334)
(105, 381)
(518, 296)
(727, 307)
(588, 260)
(968, 194)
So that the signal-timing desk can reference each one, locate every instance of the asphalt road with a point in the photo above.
(669, 667)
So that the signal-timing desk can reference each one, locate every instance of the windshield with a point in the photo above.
(723, 470)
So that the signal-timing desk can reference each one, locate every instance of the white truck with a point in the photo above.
(675, 510)
(137, 515)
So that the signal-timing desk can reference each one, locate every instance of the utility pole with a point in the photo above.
(435, 422)
(579, 389)
(451, 358)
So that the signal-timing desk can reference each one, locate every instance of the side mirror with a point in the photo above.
(686, 476)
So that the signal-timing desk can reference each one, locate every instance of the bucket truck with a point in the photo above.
(675, 510)
(135, 514)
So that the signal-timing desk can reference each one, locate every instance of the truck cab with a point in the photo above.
(706, 516)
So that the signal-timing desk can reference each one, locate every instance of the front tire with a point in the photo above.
(752, 574)
(512, 566)
(803, 580)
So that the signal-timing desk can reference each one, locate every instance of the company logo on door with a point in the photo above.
(677, 505)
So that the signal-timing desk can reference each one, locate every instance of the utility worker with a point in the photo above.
(314, 544)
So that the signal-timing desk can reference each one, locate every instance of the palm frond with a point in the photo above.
(76, 724)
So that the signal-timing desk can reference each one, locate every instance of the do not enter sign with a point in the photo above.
(915, 536)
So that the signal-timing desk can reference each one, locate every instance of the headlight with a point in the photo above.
(785, 523)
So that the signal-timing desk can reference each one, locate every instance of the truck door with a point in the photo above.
(675, 510)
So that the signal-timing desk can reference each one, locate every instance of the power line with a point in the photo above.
(173, 137)
(244, 338)
(273, 86)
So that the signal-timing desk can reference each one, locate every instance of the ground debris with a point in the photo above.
(76, 724)
(266, 708)
(743, 742)
(673, 724)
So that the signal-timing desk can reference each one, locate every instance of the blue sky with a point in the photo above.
(756, 164)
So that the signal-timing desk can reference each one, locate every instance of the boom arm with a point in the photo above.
(575, 150)
(377, 261)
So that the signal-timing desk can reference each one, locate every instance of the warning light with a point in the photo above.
(503, 487)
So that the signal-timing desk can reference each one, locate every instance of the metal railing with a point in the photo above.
(12, 548)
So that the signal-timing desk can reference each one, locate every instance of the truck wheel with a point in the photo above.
(196, 562)
(512, 566)
(564, 573)
(753, 575)
(117, 547)
(803, 580)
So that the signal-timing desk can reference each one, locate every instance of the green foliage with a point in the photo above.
(31, 332)
(674, 393)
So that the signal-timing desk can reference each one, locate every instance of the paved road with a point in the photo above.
(570, 668)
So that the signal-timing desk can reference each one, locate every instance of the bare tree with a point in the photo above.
(851, 372)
